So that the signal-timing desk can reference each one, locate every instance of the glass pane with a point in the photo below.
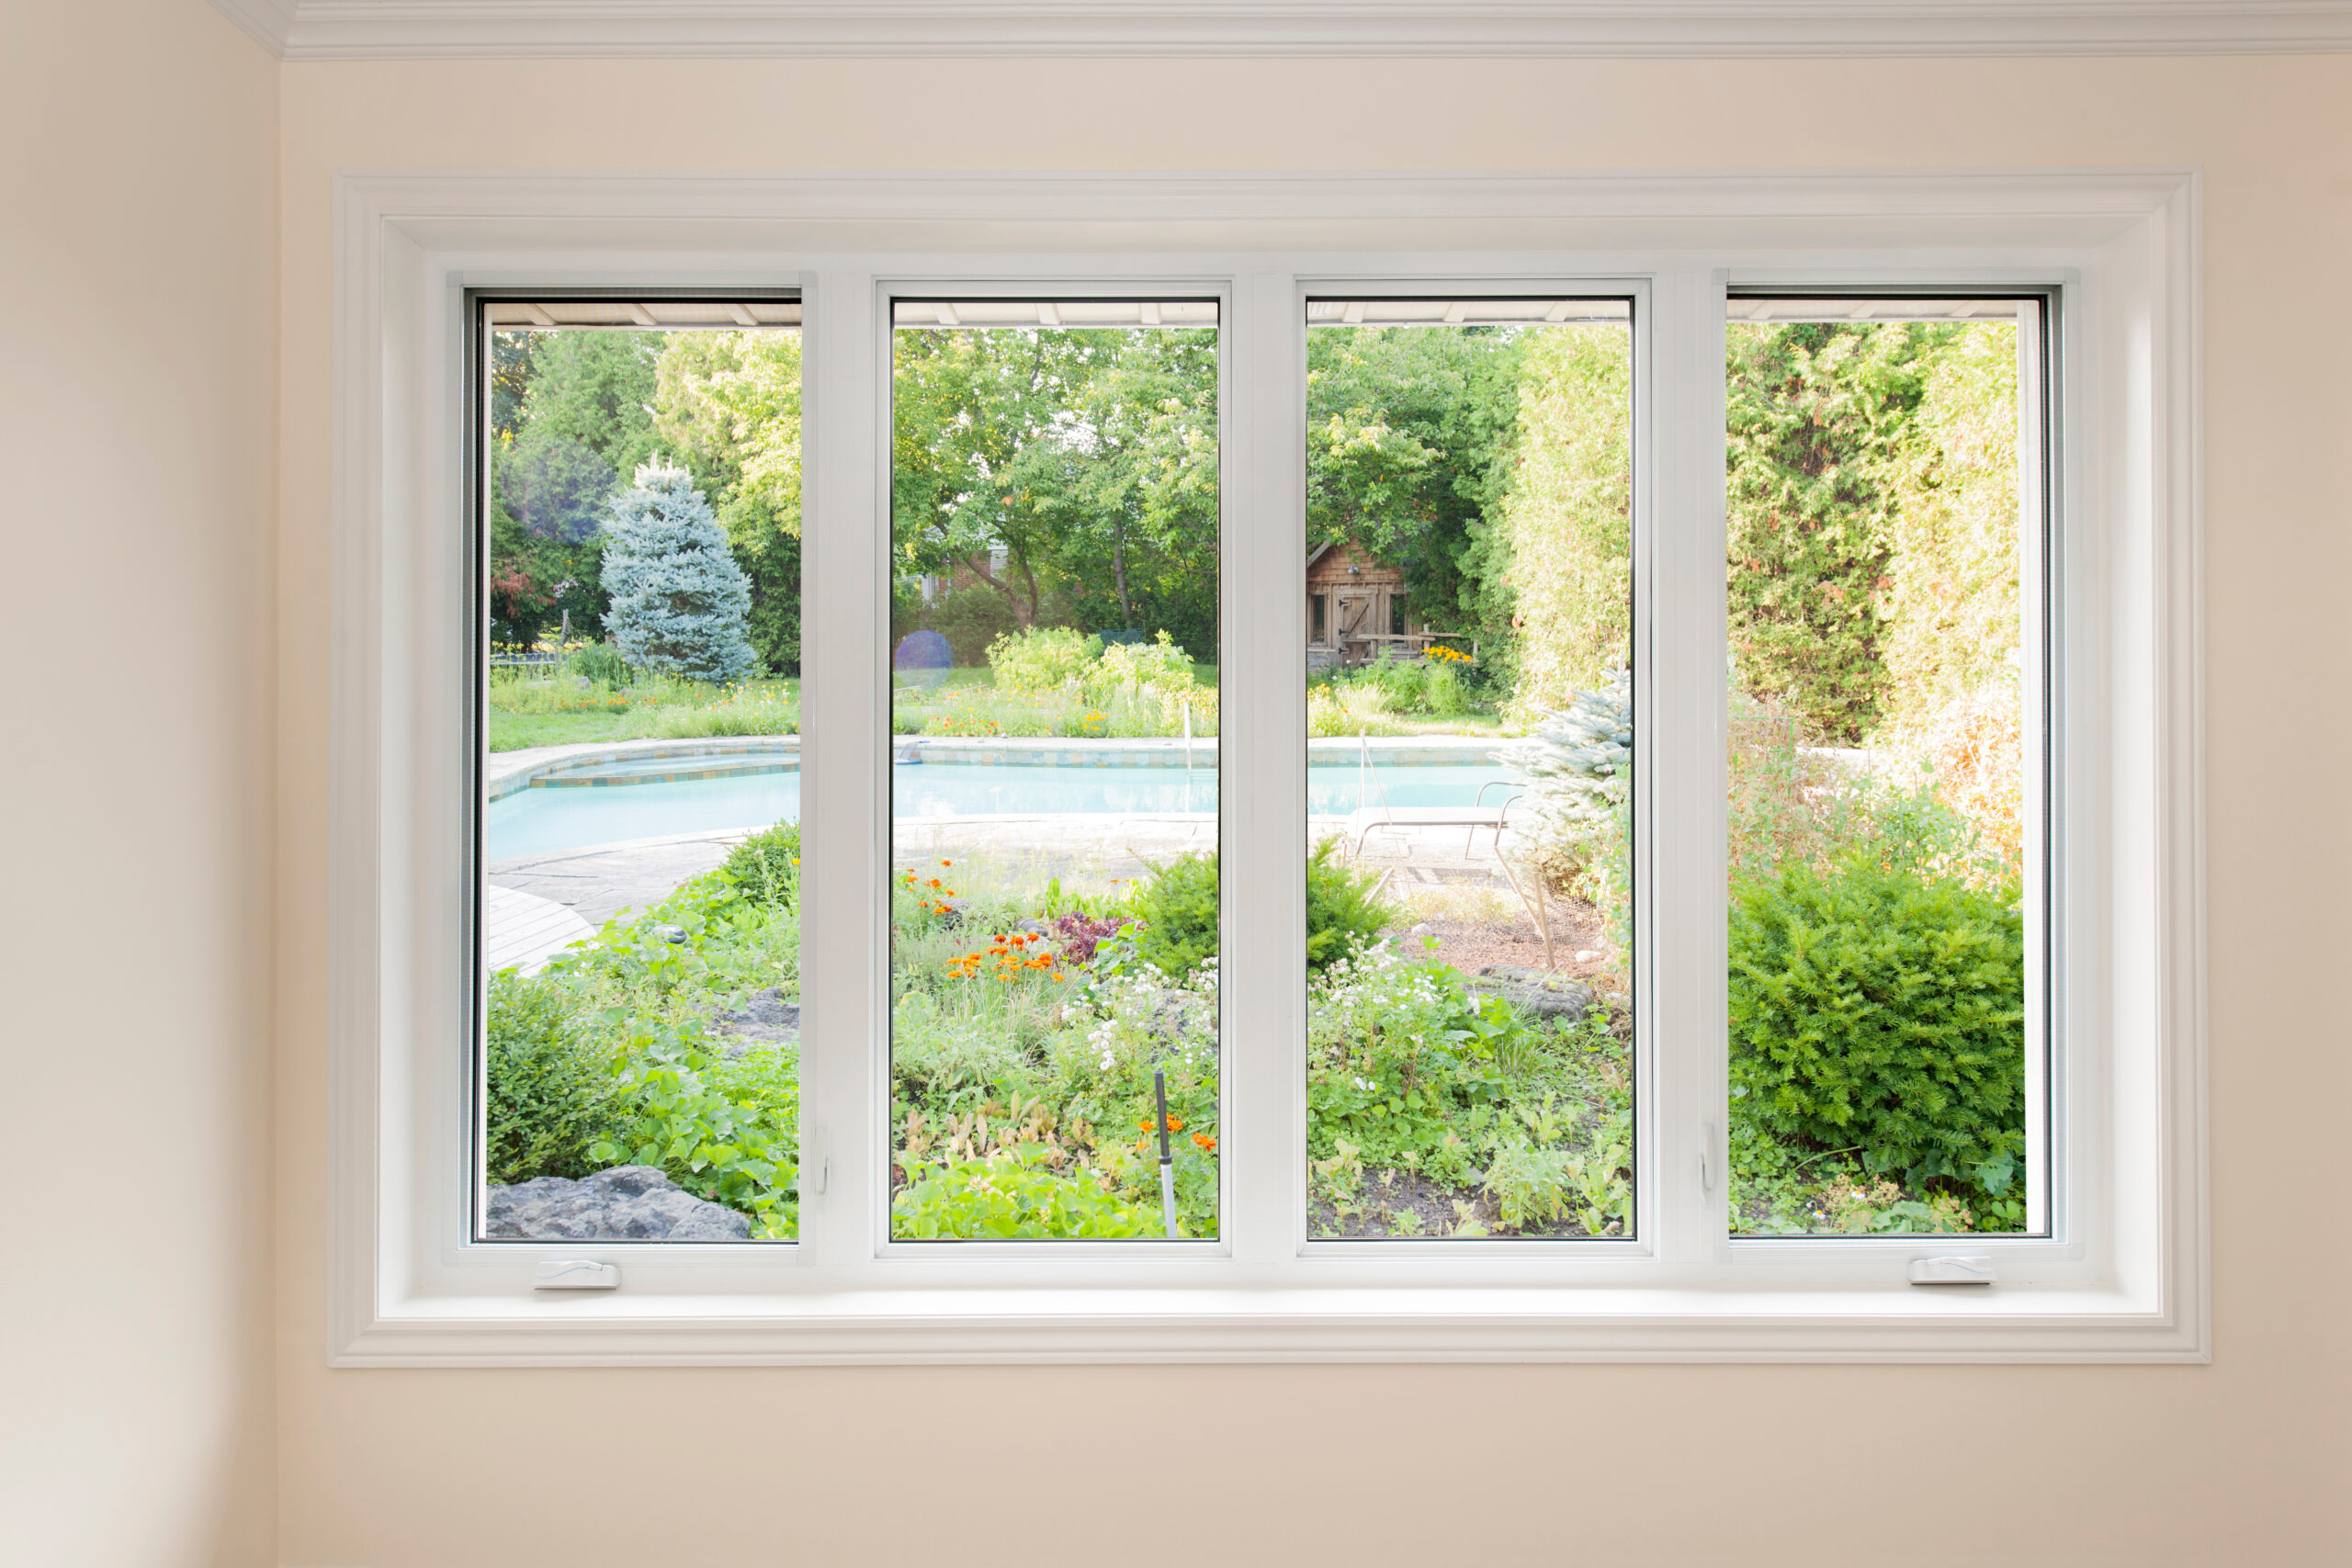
(1469, 896)
(639, 848)
(1883, 551)
(1053, 783)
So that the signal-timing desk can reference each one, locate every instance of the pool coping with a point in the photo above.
(506, 773)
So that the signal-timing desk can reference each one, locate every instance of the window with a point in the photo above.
(1887, 777)
(1470, 1025)
(638, 530)
(1228, 464)
(1054, 917)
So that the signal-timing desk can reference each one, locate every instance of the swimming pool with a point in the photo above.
(545, 820)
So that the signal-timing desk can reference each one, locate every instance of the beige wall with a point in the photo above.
(2245, 1461)
(138, 436)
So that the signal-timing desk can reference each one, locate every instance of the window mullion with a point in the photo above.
(1264, 783)
(1679, 610)
(844, 708)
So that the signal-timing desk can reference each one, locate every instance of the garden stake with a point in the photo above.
(1543, 922)
(1167, 1161)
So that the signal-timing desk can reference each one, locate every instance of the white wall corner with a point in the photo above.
(267, 22)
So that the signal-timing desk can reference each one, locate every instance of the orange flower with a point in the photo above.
(1207, 1144)
(933, 882)
(947, 863)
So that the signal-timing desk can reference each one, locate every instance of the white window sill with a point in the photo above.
(625, 1327)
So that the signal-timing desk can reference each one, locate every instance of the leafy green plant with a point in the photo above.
(548, 1101)
(765, 867)
(600, 662)
(1881, 1009)
(1012, 1195)
(1136, 666)
(1529, 1184)
(713, 1137)
(1042, 658)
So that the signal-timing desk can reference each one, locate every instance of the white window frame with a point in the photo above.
(2123, 1278)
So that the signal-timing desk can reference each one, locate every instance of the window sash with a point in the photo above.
(1680, 1060)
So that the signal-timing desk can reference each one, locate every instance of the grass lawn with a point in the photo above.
(559, 712)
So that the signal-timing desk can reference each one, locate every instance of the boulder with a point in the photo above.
(628, 1202)
(764, 1016)
(1546, 996)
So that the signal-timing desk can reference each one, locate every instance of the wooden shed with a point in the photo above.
(1355, 608)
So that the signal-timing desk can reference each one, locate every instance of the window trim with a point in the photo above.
(2125, 1281)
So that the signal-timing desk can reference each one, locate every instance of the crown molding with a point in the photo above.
(431, 29)
(269, 23)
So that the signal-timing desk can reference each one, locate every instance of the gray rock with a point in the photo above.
(1546, 996)
(628, 1202)
(765, 1015)
(671, 933)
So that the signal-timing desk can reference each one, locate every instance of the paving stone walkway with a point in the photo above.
(600, 881)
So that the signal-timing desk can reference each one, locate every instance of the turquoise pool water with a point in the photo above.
(542, 821)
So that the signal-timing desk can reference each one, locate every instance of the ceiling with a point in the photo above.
(424, 29)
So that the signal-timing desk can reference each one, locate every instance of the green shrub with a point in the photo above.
(1042, 658)
(1176, 915)
(1177, 911)
(601, 663)
(1879, 1010)
(1009, 1196)
(1133, 666)
(969, 618)
(1344, 912)
(765, 867)
(549, 1100)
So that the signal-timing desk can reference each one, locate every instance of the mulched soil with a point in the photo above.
(1470, 946)
(1370, 1218)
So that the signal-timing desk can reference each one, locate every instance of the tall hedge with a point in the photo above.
(1568, 516)
(1815, 414)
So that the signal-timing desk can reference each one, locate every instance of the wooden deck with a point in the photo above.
(521, 931)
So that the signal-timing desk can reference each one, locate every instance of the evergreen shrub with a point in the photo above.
(679, 602)
(1881, 1009)
(1176, 913)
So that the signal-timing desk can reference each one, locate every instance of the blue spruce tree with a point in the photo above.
(679, 601)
